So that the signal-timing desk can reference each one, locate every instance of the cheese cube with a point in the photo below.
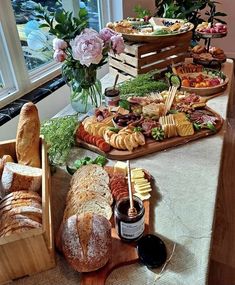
(120, 167)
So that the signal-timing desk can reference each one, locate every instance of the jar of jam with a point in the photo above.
(129, 228)
(112, 96)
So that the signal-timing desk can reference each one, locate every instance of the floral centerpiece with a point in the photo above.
(81, 51)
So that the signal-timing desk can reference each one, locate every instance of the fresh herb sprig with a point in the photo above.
(141, 85)
(59, 136)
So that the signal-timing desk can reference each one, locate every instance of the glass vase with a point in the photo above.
(86, 90)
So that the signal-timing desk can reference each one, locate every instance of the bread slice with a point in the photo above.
(17, 177)
(90, 170)
(88, 202)
(22, 194)
(92, 185)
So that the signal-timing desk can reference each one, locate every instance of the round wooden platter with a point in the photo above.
(122, 253)
(151, 145)
(208, 90)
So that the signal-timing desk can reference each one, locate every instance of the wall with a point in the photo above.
(129, 5)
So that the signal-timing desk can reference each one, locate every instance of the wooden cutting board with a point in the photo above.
(122, 254)
(152, 145)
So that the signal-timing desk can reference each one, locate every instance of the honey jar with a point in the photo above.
(112, 96)
(129, 228)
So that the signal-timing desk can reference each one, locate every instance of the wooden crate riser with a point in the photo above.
(140, 58)
(31, 251)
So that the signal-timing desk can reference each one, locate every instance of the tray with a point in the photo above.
(32, 251)
(208, 90)
(122, 253)
(210, 35)
(151, 145)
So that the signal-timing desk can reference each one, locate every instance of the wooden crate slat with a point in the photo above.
(122, 76)
(161, 55)
(123, 67)
(164, 63)
(125, 58)
(132, 48)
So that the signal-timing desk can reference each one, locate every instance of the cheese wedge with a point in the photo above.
(120, 167)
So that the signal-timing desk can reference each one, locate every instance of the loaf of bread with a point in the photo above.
(6, 158)
(88, 202)
(88, 171)
(91, 185)
(27, 137)
(86, 241)
(17, 177)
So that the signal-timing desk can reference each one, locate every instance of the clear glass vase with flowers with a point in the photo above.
(82, 51)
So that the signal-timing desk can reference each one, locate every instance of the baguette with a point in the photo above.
(27, 137)
(17, 177)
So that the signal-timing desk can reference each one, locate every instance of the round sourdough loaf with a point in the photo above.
(86, 241)
(89, 171)
(17, 177)
(27, 137)
(88, 202)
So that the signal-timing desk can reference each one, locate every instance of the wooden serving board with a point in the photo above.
(123, 253)
(151, 145)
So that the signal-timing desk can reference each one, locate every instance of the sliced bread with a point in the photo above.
(17, 177)
(88, 202)
(88, 171)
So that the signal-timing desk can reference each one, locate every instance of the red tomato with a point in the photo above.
(186, 83)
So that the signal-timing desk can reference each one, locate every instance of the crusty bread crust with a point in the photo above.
(27, 137)
(86, 241)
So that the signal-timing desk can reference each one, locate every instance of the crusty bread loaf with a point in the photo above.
(88, 171)
(22, 194)
(6, 158)
(86, 241)
(27, 137)
(88, 202)
(91, 185)
(17, 177)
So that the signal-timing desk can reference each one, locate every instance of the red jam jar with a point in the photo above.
(112, 96)
(129, 228)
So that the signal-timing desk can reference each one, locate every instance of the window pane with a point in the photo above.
(36, 43)
(92, 7)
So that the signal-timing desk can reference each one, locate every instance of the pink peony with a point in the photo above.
(59, 55)
(59, 44)
(117, 44)
(87, 47)
(106, 34)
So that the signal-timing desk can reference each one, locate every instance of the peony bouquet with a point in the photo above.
(81, 51)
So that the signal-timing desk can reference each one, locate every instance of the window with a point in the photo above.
(26, 50)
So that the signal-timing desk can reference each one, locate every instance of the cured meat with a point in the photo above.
(147, 126)
(203, 117)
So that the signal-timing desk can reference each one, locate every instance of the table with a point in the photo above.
(182, 209)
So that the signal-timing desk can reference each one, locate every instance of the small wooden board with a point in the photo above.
(123, 253)
(152, 145)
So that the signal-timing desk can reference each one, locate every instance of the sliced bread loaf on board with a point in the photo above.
(86, 241)
(94, 184)
(88, 171)
(88, 202)
(17, 177)
(27, 137)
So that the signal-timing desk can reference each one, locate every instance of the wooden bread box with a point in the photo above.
(140, 58)
(32, 251)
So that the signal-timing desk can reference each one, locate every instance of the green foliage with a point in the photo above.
(157, 134)
(59, 135)
(141, 85)
(190, 10)
(62, 23)
(141, 12)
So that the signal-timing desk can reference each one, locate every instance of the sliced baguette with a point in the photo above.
(17, 177)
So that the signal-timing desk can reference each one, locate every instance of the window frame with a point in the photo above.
(20, 80)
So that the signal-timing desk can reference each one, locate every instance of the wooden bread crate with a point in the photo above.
(139, 58)
(32, 251)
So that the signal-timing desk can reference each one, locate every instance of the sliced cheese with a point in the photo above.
(140, 181)
(142, 191)
(143, 185)
(137, 175)
(143, 196)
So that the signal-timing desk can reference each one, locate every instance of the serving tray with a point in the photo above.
(122, 253)
(151, 145)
